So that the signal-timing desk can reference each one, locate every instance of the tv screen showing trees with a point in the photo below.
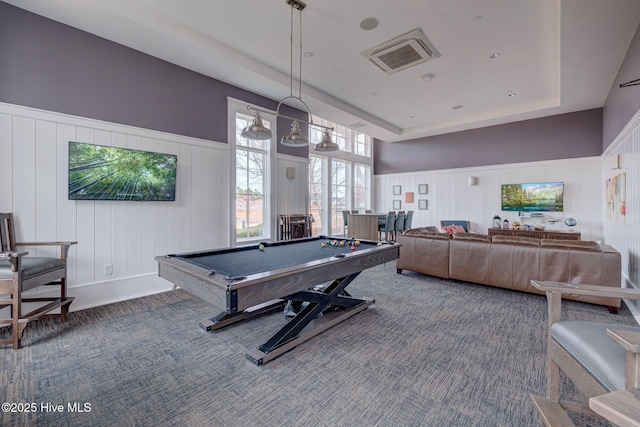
(98, 172)
(533, 197)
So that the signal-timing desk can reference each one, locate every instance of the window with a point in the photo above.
(345, 173)
(317, 190)
(251, 210)
(361, 180)
(339, 194)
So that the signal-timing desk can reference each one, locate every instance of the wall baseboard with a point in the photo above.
(102, 293)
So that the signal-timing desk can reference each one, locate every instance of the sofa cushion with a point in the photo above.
(583, 245)
(472, 236)
(515, 240)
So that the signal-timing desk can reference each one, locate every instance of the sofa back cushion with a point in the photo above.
(516, 240)
(469, 258)
(583, 245)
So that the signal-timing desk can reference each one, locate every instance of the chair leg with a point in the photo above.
(63, 294)
(16, 330)
(553, 380)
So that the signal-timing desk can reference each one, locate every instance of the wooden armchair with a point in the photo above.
(19, 273)
(602, 361)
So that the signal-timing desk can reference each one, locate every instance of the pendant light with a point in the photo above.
(327, 144)
(295, 138)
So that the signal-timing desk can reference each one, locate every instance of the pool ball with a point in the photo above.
(342, 243)
(357, 242)
(353, 248)
(261, 247)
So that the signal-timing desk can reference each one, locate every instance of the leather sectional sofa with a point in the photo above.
(511, 262)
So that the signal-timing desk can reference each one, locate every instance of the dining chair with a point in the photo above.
(408, 220)
(344, 222)
(388, 226)
(399, 224)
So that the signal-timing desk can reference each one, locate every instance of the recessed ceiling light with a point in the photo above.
(494, 56)
(308, 54)
(457, 107)
(374, 93)
(476, 18)
(369, 24)
(511, 94)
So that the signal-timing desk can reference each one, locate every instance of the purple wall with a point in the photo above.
(555, 137)
(622, 103)
(55, 67)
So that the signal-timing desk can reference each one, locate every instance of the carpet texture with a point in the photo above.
(430, 352)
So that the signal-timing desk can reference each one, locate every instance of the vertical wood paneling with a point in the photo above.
(24, 178)
(65, 208)
(120, 254)
(103, 224)
(86, 223)
(626, 236)
(45, 186)
(6, 162)
(197, 188)
(134, 223)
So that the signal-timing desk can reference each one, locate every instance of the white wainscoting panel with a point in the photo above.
(125, 235)
(625, 237)
(450, 197)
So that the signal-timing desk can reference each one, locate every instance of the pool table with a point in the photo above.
(246, 281)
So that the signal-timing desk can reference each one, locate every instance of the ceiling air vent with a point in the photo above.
(402, 52)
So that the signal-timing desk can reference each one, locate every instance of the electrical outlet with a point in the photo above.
(108, 269)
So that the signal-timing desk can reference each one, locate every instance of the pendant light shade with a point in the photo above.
(327, 144)
(295, 138)
(257, 130)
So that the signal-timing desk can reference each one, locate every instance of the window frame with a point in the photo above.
(234, 108)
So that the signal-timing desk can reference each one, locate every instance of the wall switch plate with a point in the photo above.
(108, 269)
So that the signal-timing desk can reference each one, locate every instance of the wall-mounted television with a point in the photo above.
(533, 197)
(98, 172)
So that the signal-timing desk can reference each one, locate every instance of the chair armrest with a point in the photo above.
(629, 340)
(13, 258)
(620, 407)
(555, 291)
(64, 246)
(591, 290)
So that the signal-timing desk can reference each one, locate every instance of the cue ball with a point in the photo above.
(261, 247)
(379, 243)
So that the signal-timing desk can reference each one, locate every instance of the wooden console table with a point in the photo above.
(538, 234)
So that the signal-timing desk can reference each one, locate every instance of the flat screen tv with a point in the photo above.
(98, 172)
(533, 197)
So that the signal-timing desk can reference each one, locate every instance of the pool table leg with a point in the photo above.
(290, 335)
(225, 319)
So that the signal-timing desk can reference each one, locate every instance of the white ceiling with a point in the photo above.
(554, 56)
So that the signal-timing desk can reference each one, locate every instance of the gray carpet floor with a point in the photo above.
(430, 352)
